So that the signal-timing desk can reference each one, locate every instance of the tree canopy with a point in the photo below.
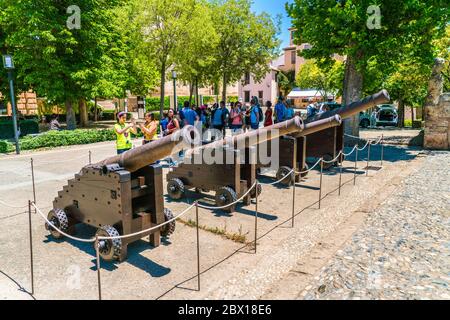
(364, 33)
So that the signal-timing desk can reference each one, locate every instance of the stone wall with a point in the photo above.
(26, 104)
(437, 112)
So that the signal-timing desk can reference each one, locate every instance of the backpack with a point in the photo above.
(261, 115)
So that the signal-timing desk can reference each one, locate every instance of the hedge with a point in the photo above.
(26, 127)
(53, 139)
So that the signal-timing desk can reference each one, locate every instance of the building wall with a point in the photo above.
(268, 86)
(26, 104)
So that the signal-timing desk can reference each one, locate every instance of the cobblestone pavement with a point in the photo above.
(403, 249)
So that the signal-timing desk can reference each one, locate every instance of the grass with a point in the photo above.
(238, 237)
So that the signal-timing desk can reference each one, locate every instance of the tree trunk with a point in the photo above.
(70, 116)
(224, 88)
(83, 112)
(353, 84)
(191, 91)
(163, 87)
(412, 114)
(95, 110)
(401, 113)
(197, 99)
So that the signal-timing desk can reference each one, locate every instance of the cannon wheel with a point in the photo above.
(175, 188)
(328, 157)
(253, 193)
(59, 219)
(284, 172)
(109, 249)
(169, 228)
(224, 196)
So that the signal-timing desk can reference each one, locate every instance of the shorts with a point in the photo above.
(120, 151)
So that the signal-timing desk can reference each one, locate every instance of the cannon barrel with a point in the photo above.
(145, 155)
(255, 137)
(354, 108)
(319, 125)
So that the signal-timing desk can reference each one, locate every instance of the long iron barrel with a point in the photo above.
(319, 125)
(355, 107)
(145, 155)
(255, 137)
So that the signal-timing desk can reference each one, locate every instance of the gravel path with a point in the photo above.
(403, 249)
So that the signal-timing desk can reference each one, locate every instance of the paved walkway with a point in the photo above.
(403, 249)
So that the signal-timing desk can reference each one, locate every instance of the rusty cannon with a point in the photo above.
(323, 136)
(328, 143)
(121, 195)
(227, 166)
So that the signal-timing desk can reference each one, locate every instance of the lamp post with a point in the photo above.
(8, 64)
(175, 100)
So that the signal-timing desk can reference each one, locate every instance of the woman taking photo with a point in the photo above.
(149, 128)
(123, 133)
(173, 123)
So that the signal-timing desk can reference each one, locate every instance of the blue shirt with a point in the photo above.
(217, 119)
(164, 122)
(311, 110)
(189, 116)
(280, 111)
(289, 113)
(254, 113)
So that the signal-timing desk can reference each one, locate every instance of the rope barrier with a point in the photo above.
(284, 177)
(149, 229)
(57, 229)
(364, 146)
(231, 204)
(111, 238)
(310, 169)
(351, 152)
(334, 160)
(12, 206)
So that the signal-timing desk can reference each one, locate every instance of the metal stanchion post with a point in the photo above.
(321, 178)
(382, 149)
(368, 159)
(293, 199)
(340, 171)
(31, 247)
(32, 180)
(90, 157)
(198, 246)
(356, 165)
(97, 253)
(256, 215)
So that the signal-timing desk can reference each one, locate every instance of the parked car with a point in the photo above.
(385, 115)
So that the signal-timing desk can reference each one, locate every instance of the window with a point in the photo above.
(261, 95)
(246, 96)
(247, 78)
(294, 57)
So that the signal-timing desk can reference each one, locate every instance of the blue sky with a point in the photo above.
(275, 7)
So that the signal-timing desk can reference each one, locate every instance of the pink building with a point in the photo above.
(266, 89)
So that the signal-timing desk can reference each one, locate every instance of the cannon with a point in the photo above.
(233, 171)
(322, 136)
(291, 150)
(328, 143)
(120, 195)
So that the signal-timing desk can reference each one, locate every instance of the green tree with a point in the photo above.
(326, 80)
(286, 81)
(57, 59)
(353, 28)
(164, 24)
(194, 57)
(247, 41)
